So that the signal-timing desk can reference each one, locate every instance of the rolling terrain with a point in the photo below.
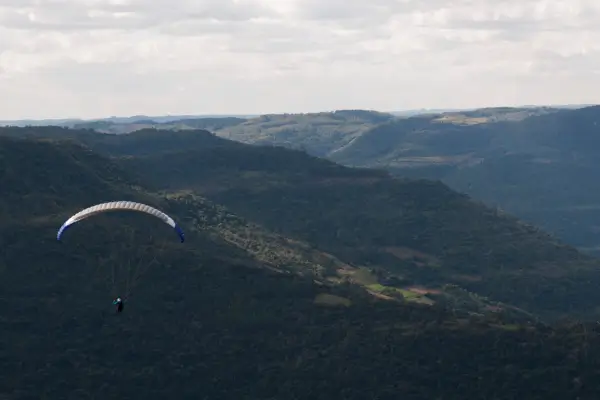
(299, 278)
(421, 231)
(408, 239)
(540, 169)
(535, 163)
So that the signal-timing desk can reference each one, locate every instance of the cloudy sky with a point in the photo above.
(96, 58)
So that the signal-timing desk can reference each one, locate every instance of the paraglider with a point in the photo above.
(119, 206)
(119, 303)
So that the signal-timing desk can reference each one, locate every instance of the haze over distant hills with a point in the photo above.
(131, 119)
(70, 122)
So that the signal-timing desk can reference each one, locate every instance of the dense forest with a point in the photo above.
(299, 278)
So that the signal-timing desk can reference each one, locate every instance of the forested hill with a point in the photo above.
(408, 238)
(534, 162)
(539, 168)
(421, 231)
(250, 309)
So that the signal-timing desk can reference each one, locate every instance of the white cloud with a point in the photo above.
(93, 58)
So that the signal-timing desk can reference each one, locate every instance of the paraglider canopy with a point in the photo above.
(120, 206)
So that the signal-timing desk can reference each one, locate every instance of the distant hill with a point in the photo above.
(326, 134)
(539, 168)
(120, 127)
(320, 132)
(111, 121)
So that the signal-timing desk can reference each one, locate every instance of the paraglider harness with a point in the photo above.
(119, 303)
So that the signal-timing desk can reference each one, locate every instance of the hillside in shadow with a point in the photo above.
(418, 234)
(264, 299)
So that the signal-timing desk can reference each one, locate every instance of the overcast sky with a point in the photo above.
(96, 58)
